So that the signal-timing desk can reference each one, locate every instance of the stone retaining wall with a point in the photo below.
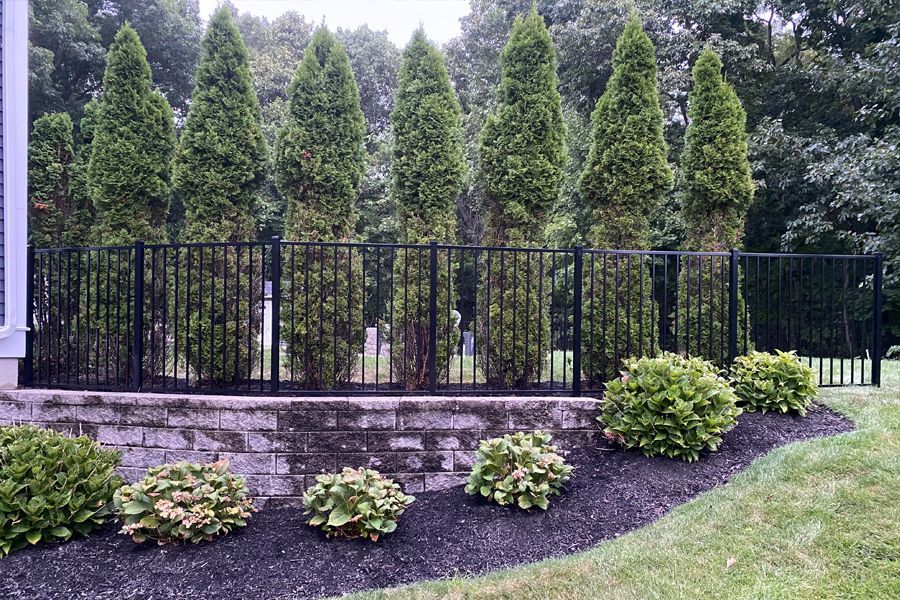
(279, 444)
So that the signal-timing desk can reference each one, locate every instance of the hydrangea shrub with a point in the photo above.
(779, 382)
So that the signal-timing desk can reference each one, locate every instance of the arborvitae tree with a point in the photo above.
(625, 178)
(55, 219)
(426, 176)
(717, 190)
(134, 140)
(319, 164)
(523, 158)
(716, 185)
(80, 186)
(219, 167)
(128, 178)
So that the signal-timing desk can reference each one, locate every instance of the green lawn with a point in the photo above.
(816, 519)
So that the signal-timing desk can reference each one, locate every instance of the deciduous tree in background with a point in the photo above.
(426, 176)
(219, 167)
(624, 180)
(319, 165)
(717, 191)
(523, 156)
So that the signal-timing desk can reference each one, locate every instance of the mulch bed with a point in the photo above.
(443, 534)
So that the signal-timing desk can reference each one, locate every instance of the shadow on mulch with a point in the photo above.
(442, 534)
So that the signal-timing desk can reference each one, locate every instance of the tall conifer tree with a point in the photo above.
(319, 164)
(219, 167)
(523, 157)
(55, 218)
(717, 190)
(426, 177)
(626, 176)
(131, 157)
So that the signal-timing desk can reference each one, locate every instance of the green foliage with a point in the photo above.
(523, 145)
(670, 405)
(183, 502)
(319, 162)
(170, 31)
(426, 176)
(522, 469)
(617, 313)
(355, 503)
(52, 486)
(627, 175)
(219, 167)
(65, 56)
(321, 319)
(134, 139)
(716, 184)
(512, 324)
(523, 157)
(319, 156)
(56, 219)
(700, 323)
(778, 382)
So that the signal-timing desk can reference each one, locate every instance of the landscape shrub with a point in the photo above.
(355, 503)
(52, 486)
(669, 405)
(522, 468)
(183, 502)
(778, 382)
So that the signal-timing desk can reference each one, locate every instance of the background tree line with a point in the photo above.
(817, 81)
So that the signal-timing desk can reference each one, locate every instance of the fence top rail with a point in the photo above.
(457, 247)
(807, 255)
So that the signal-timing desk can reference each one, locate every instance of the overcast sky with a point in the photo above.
(399, 17)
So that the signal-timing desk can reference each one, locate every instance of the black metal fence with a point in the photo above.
(285, 317)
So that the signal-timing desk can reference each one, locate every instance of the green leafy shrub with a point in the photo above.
(671, 405)
(355, 503)
(51, 486)
(183, 502)
(522, 468)
(779, 382)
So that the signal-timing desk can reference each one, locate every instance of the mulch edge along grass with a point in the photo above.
(444, 534)
(814, 519)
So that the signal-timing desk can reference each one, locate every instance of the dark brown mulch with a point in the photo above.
(442, 534)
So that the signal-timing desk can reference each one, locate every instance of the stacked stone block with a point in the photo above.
(280, 444)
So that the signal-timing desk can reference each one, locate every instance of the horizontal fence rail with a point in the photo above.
(284, 317)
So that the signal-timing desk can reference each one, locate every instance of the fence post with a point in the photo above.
(877, 284)
(28, 375)
(576, 321)
(138, 339)
(432, 317)
(275, 350)
(733, 284)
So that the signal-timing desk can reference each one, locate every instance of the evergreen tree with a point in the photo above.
(717, 190)
(134, 140)
(426, 176)
(80, 187)
(523, 158)
(319, 165)
(219, 167)
(625, 178)
(56, 219)
(320, 157)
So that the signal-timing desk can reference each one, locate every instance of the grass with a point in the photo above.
(815, 519)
